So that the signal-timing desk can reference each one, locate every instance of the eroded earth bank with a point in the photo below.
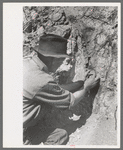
(92, 39)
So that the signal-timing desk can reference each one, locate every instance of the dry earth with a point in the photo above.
(92, 39)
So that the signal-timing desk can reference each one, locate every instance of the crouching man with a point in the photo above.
(41, 92)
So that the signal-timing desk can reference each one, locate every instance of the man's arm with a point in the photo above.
(73, 86)
(89, 84)
(54, 95)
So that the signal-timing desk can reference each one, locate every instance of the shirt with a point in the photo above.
(40, 91)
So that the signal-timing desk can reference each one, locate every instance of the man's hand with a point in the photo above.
(91, 81)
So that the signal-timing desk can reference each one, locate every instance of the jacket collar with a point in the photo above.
(35, 58)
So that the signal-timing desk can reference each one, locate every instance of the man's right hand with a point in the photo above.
(92, 81)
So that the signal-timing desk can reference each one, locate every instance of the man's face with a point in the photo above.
(55, 64)
(59, 68)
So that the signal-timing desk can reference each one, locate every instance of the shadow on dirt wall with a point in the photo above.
(88, 104)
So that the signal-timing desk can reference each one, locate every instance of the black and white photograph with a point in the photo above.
(70, 75)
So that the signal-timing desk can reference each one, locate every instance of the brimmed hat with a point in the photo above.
(52, 45)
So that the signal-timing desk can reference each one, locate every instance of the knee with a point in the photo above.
(64, 133)
(57, 137)
(63, 138)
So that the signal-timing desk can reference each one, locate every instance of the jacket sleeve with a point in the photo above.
(54, 95)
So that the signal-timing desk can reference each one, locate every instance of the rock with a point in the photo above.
(62, 30)
(48, 24)
(71, 45)
(27, 27)
(40, 31)
(61, 21)
(50, 29)
(101, 39)
(75, 33)
(34, 15)
(56, 16)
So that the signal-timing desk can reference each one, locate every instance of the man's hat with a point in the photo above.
(52, 45)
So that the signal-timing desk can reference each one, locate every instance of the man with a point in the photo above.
(41, 92)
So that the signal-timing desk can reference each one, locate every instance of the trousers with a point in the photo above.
(41, 132)
(51, 136)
